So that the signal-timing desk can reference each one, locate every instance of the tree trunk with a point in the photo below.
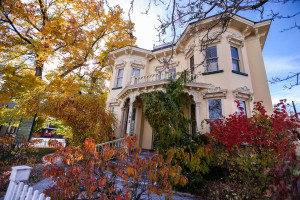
(39, 71)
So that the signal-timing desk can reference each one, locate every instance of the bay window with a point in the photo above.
(235, 59)
(211, 59)
(120, 77)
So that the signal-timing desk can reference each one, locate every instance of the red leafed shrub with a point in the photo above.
(117, 174)
(274, 131)
(248, 146)
(286, 176)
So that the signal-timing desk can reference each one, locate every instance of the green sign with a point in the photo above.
(25, 128)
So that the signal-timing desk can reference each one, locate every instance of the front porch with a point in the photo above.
(132, 120)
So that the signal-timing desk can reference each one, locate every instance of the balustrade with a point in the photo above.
(135, 80)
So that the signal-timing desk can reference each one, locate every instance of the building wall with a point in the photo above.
(253, 77)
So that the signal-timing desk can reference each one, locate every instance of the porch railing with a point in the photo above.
(115, 144)
(195, 78)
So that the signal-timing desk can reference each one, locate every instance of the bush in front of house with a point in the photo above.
(253, 149)
(91, 175)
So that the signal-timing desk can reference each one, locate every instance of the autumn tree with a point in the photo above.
(71, 39)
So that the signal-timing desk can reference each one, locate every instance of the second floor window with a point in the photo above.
(192, 65)
(235, 58)
(211, 59)
(120, 77)
(135, 72)
(215, 109)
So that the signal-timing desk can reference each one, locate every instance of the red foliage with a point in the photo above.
(88, 174)
(274, 131)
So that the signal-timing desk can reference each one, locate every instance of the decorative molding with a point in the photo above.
(246, 32)
(171, 65)
(120, 63)
(243, 93)
(214, 92)
(189, 50)
(137, 64)
(236, 39)
(213, 37)
(259, 35)
(114, 102)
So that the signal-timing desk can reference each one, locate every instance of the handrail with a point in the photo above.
(118, 143)
(135, 80)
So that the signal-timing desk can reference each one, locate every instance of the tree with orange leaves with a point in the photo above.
(73, 38)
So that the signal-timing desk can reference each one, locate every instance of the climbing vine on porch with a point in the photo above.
(164, 111)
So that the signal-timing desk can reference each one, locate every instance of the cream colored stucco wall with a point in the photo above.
(251, 62)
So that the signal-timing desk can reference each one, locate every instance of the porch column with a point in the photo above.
(130, 116)
(198, 116)
(121, 122)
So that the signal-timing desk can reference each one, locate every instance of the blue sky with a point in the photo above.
(281, 51)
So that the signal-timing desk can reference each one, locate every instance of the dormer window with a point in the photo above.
(211, 59)
(120, 77)
(235, 59)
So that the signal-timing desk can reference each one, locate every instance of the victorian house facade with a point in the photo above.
(233, 69)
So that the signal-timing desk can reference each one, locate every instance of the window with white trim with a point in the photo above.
(120, 77)
(243, 106)
(215, 109)
(172, 73)
(211, 59)
(235, 59)
(135, 72)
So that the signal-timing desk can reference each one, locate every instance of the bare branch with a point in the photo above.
(288, 78)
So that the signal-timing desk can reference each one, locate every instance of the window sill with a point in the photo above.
(116, 88)
(240, 73)
(213, 72)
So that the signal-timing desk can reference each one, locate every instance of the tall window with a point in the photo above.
(235, 58)
(120, 77)
(135, 72)
(243, 105)
(192, 66)
(215, 109)
(211, 59)
(172, 73)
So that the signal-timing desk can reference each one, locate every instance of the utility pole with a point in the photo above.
(296, 114)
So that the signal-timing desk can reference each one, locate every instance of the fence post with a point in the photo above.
(18, 174)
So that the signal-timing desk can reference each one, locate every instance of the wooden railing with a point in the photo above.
(115, 144)
(17, 190)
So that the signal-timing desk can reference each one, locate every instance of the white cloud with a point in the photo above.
(144, 23)
(281, 65)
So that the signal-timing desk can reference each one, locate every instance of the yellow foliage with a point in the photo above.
(74, 37)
